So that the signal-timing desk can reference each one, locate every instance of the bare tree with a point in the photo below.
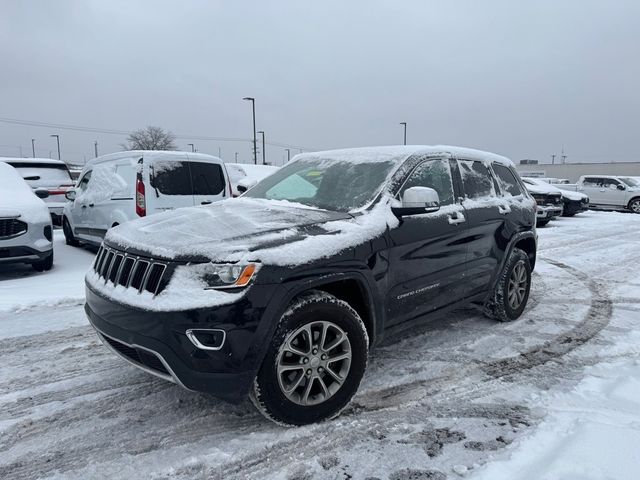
(150, 138)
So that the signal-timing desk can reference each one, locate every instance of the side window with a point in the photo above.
(82, 184)
(610, 183)
(476, 179)
(208, 178)
(591, 182)
(126, 172)
(435, 174)
(506, 180)
(171, 178)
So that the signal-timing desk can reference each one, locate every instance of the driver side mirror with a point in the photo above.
(244, 185)
(620, 187)
(70, 195)
(417, 200)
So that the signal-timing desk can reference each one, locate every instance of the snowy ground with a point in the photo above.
(555, 394)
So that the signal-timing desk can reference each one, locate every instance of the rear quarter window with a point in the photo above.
(506, 180)
(476, 179)
(44, 174)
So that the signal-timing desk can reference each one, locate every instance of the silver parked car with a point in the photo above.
(26, 233)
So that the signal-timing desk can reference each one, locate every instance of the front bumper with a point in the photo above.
(548, 211)
(22, 254)
(157, 343)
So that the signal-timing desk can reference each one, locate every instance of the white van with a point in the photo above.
(119, 187)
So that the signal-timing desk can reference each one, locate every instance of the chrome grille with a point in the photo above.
(130, 271)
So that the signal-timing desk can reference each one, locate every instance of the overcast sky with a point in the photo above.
(520, 80)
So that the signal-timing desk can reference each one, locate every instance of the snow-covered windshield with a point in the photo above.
(329, 184)
(631, 182)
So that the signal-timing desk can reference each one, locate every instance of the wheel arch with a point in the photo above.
(351, 288)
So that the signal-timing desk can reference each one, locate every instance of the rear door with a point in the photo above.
(170, 185)
(79, 212)
(208, 182)
(487, 222)
(427, 251)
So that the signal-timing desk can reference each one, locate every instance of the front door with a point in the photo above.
(613, 192)
(427, 251)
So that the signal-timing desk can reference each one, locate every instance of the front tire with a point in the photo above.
(315, 362)
(511, 293)
(542, 223)
(68, 233)
(634, 205)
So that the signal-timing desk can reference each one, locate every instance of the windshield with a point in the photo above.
(325, 183)
(632, 182)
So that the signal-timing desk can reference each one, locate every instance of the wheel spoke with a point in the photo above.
(341, 356)
(296, 384)
(337, 341)
(288, 368)
(295, 350)
(336, 377)
(307, 391)
(323, 337)
(325, 390)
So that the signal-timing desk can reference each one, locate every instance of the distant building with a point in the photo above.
(573, 171)
(528, 161)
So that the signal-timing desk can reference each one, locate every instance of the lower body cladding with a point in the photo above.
(216, 350)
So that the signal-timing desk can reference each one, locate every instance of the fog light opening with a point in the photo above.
(207, 339)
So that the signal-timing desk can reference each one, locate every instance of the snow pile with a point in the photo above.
(592, 432)
(17, 198)
(104, 184)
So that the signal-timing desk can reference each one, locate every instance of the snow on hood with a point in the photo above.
(17, 198)
(219, 231)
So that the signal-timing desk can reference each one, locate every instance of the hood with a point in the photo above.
(222, 230)
(577, 196)
(540, 189)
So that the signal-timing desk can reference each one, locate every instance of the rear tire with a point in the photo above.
(68, 233)
(634, 205)
(542, 223)
(298, 382)
(511, 293)
(44, 265)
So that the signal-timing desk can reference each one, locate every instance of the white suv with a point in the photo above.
(44, 173)
(119, 187)
(25, 224)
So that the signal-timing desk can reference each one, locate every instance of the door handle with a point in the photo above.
(504, 209)
(206, 202)
(456, 218)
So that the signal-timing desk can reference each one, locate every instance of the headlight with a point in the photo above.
(220, 276)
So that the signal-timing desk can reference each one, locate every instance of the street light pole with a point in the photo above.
(404, 124)
(236, 157)
(192, 147)
(255, 143)
(263, 154)
(58, 142)
(95, 148)
(288, 154)
(33, 147)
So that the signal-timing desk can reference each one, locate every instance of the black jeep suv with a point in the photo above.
(280, 293)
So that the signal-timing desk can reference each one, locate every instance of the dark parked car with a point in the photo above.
(280, 293)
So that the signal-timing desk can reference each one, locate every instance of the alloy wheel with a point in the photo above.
(517, 286)
(313, 362)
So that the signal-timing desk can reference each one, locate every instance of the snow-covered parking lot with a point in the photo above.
(555, 394)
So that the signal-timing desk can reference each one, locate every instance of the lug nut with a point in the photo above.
(320, 369)
(315, 350)
(306, 360)
(308, 372)
(324, 356)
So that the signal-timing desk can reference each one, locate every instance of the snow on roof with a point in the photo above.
(165, 154)
(32, 160)
(400, 153)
